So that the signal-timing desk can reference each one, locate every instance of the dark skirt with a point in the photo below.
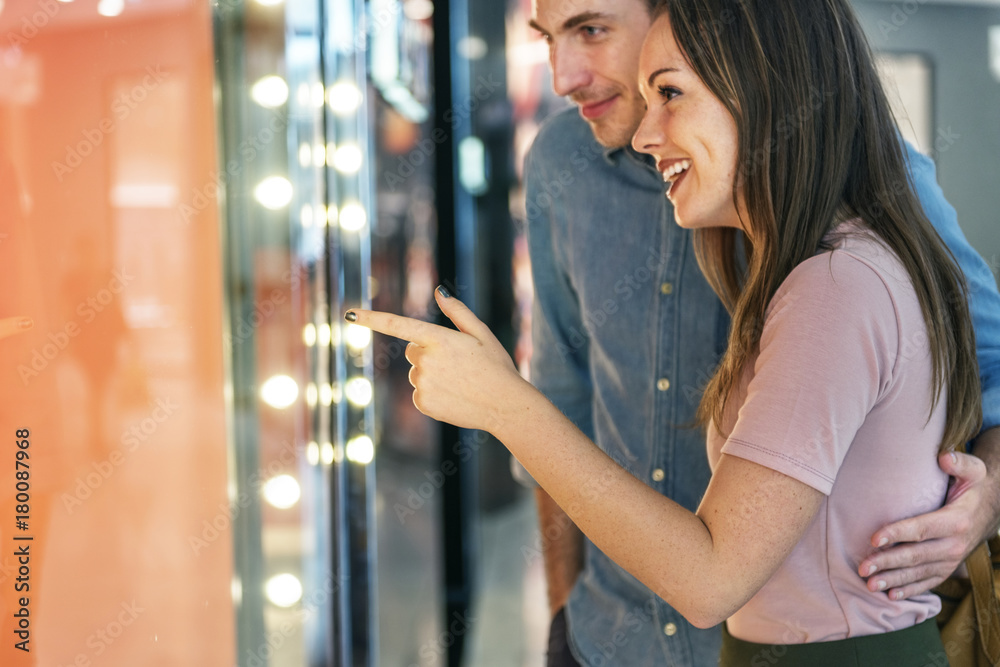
(919, 646)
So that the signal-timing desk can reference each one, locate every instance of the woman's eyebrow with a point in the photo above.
(658, 72)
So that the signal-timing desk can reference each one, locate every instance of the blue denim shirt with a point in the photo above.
(626, 331)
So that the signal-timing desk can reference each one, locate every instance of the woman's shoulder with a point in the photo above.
(854, 262)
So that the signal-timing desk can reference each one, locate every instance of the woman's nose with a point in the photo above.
(648, 136)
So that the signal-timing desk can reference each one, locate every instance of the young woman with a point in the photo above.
(851, 356)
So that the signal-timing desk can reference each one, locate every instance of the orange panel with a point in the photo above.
(106, 131)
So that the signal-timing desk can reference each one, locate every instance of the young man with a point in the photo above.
(626, 332)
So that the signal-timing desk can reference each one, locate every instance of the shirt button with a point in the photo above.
(667, 288)
(670, 629)
(663, 384)
(658, 475)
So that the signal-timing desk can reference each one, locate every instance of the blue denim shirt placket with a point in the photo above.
(609, 280)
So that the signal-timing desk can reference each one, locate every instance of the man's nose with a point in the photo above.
(570, 70)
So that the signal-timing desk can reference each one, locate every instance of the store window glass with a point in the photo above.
(184, 214)
(113, 481)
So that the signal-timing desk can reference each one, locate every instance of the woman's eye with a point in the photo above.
(667, 92)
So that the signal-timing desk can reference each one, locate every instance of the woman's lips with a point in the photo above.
(592, 111)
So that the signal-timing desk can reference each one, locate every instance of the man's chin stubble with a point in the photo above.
(611, 137)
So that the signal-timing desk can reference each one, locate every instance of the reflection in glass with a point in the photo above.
(352, 217)
(274, 192)
(361, 449)
(284, 590)
(282, 491)
(347, 159)
(279, 391)
(357, 337)
(270, 91)
(345, 98)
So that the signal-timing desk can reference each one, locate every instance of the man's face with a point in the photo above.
(594, 48)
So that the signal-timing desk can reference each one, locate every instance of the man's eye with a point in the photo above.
(592, 30)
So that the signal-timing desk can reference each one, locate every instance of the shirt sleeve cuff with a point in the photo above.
(780, 463)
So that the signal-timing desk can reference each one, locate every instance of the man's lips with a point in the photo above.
(596, 109)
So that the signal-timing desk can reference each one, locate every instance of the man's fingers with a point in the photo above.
(915, 588)
(965, 470)
(409, 329)
(916, 529)
(933, 553)
(908, 576)
(905, 555)
(10, 326)
(962, 466)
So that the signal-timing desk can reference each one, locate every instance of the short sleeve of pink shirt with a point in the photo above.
(839, 399)
(826, 353)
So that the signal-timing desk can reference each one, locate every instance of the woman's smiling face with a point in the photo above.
(689, 132)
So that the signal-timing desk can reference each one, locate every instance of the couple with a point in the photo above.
(849, 365)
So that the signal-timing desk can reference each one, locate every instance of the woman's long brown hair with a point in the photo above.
(817, 145)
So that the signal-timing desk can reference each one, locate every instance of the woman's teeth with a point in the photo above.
(674, 170)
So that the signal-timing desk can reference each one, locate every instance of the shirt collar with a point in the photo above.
(615, 155)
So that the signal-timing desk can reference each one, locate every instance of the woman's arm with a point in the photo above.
(706, 565)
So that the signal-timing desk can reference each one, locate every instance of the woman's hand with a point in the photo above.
(463, 377)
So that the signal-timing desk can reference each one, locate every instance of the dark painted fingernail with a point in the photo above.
(351, 316)
(443, 291)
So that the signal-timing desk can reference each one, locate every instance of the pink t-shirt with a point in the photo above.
(839, 398)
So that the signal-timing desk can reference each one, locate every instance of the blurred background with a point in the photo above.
(224, 472)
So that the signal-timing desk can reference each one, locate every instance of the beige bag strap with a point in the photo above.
(980, 566)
